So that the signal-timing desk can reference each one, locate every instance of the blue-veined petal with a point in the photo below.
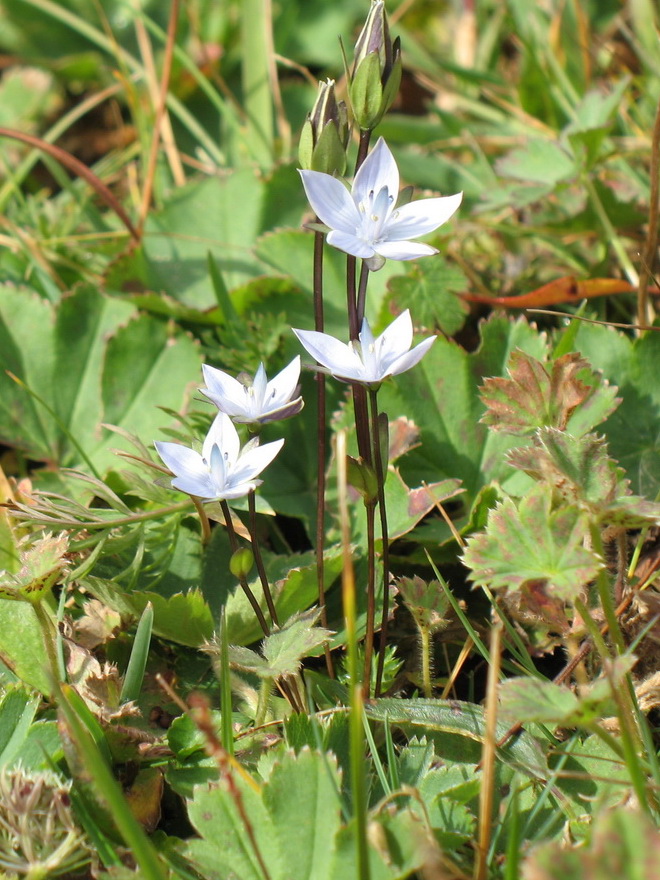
(350, 244)
(377, 171)
(404, 250)
(331, 201)
(418, 218)
(331, 353)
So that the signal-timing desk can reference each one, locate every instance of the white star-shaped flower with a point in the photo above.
(223, 471)
(366, 222)
(370, 361)
(255, 400)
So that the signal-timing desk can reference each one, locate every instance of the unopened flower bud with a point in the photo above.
(376, 72)
(363, 478)
(241, 563)
(325, 134)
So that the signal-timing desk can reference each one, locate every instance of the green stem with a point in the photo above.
(321, 452)
(371, 596)
(233, 542)
(425, 646)
(264, 698)
(380, 469)
(48, 633)
(610, 231)
(258, 559)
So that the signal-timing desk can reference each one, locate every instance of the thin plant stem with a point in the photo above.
(379, 467)
(488, 755)
(351, 293)
(319, 324)
(362, 292)
(233, 542)
(258, 559)
(651, 244)
(425, 648)
(371, 596)
(203, 520)
(610, 231)
(356, 736)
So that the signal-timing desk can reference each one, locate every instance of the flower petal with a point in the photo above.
(394, 341)
(410, 358)
(223, 434)
(227, 393)
(418, 218)
(338, 358)
(281, 388)
(350, 244)
(404, 250)
(259, 390)
(331, 201)
(191, 475)
(378, 170)
(251, 463)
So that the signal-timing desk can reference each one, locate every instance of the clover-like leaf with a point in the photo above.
(536, 395)
(531, 542)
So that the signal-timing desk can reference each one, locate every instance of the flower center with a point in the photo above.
(376, 210)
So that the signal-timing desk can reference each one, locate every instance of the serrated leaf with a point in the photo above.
(581, 470)
(225, 850)
(184, 618)
(536, 396)
(532, 543)
(284, 648)
(429, 290)
(633, 430)
(532, 699)
(440, 396)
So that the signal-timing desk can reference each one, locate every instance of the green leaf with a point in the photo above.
(539, 161)
(137, 662)
(284, 649)
(633, 430)
(530, 543)
(184, 618)
(581, 470)
(313, 811)
(536, 396)
(17, 711)
(429, 291)
(216, 216)
(22, 646)
(453, 725)
(225, 849)
(532, 699)
(92, 361)
(440, 396)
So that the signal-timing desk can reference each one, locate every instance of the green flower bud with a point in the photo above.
(376, 73)
(363, 478)
(241, 562)
(325, 134)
